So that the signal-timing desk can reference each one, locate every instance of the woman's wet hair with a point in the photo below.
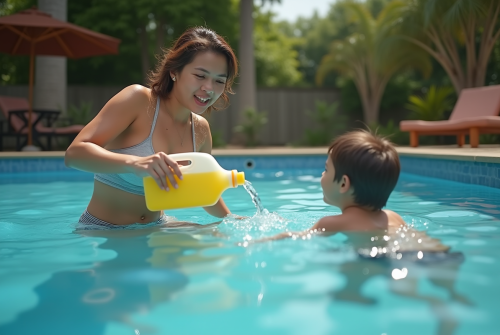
(192, 42)
(371, 163)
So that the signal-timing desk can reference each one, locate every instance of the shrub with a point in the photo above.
(392, 132)
(328, 124)
(253, 123)
(80, 114)
(433, 105)
(217, 139)
(489, 139)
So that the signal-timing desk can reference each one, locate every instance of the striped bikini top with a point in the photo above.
(129, 182)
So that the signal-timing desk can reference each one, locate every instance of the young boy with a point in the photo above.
(361, 171)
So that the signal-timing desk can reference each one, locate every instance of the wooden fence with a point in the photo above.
(286, 109)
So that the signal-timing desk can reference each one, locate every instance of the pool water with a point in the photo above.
(199, 281)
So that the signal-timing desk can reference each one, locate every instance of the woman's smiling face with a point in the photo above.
(201, 82)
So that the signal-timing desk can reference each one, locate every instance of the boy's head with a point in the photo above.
(361, 165)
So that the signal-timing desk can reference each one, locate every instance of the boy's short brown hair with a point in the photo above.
(370, 162)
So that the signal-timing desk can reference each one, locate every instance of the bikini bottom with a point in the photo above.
(89, 222)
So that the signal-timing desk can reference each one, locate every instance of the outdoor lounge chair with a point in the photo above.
(16, 114)
(476, 112)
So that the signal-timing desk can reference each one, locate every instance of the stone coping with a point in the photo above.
(485, 153)
(261, 151)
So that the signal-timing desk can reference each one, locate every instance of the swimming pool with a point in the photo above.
(55, 281)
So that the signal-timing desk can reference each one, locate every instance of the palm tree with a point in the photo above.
(50, 77)
(372, 55)
(247, 83)
(443, 27)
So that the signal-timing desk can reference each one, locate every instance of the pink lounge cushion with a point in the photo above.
(477, 102)
(476, 107)
(450, 125)
(8, 104)
(73, 129)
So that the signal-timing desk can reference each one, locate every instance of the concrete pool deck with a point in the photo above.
(485, 153)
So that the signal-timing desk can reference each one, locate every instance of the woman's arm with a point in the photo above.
(87, 151)
(220, 209)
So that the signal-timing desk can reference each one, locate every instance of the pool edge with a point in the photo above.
(470, 166)
(485, 154)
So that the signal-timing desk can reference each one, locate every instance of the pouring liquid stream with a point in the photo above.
(255, 198)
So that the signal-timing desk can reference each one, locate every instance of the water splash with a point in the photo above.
(255, 198)
(261, 224)
(254, 227)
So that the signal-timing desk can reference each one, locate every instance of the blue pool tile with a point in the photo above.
(496, 182)
(32, 165)
(491, 182)
(493, 171)
(487, 174)
(276, 163)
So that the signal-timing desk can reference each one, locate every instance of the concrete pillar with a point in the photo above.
(50, 72)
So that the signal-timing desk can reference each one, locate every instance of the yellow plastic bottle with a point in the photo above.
(203, 183)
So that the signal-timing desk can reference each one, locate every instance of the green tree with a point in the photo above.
(246, 55)
(315, 34)
(276, 59)
(372, 55)
(14, 70)
(329, 123)
(252, 123)
(459, 34)
(493, 72)
(144, 26)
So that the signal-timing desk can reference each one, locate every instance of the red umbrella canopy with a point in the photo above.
(51, 37)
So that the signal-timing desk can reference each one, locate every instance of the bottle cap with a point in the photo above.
(238, 178)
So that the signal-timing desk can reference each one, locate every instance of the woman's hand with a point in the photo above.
(159, 166)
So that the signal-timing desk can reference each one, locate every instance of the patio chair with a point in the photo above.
(476, 112)
(16, 114)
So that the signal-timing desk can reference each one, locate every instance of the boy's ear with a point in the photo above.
(345, 184)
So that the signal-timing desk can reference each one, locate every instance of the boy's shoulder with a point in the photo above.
(394, 218)
(332, 224)
(354, 221)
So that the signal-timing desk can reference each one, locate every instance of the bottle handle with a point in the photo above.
(182, 157)
(187, 156)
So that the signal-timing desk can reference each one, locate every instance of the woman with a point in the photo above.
(136, 131)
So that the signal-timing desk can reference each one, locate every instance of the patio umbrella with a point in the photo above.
(32, 32)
